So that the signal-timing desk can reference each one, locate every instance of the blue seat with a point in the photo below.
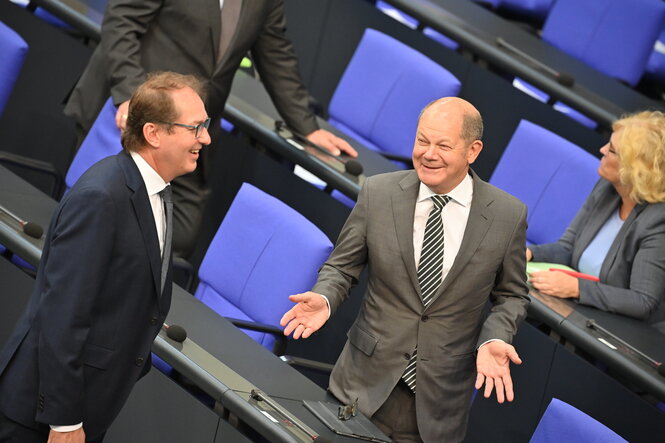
(262, 252)
(656, 65)
(13, 50)
(616, 37)
(532, 9)
(382, 91)
(412, 23)
(103, 140)
(551, 175)
(562, 422)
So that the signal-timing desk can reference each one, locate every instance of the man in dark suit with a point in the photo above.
(409, 358)
(195, 37)
(103, 287)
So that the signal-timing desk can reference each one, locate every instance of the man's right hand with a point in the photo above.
(307, 316)
(121, 115)
(77, 436)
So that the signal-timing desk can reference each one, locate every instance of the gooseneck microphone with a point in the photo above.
(176, 333)
(353, 167)
(29, 228)
(562, 78)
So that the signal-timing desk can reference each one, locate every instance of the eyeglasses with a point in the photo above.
(197, 129)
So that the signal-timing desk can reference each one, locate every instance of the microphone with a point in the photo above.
(176, 333)
(562, 78)
(29, 228)
(353, 167)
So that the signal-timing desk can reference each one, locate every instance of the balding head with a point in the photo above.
(471, 121)
(447, 142)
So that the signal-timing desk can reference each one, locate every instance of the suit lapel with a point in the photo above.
(479, 222)
(404, 206)
(144, 216)
(616, 244)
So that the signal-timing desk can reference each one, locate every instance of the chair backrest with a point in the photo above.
(103, 140)
(551, 175)
(12, 52)
(565, 423)
(382, 91)
(262, 252)
(615, 37)
(656, 65)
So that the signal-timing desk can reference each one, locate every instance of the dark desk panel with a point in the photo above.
(477, 30)
(569, 319)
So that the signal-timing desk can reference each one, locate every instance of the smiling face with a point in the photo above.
(609, 163)
(441, 156)
(175, 148)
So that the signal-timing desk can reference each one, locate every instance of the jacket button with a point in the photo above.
(424, 317)
(154, 320)
(139, 361)
(407, 356)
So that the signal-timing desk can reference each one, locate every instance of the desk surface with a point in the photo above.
(570, 320)
(249, 106)
(477, 29)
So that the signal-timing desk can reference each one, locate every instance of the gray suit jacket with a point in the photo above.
(393, 320)
(632, 277)
(140, 36)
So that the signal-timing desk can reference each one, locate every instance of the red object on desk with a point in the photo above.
(576, 274)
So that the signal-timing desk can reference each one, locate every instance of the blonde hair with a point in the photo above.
(641, 151)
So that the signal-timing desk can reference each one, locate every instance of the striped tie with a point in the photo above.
(429, 271)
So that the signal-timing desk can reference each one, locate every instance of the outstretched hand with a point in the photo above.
(492, 364)
(307, 316)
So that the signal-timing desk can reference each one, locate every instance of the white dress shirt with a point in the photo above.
(154, 185)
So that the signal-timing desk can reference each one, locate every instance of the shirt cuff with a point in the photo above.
(493, 339)
(66, 428)
(328, 304)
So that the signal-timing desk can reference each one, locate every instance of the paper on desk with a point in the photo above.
(534, 266)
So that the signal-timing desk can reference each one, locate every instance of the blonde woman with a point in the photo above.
(619, 234)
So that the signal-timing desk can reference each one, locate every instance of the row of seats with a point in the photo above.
(615, 37)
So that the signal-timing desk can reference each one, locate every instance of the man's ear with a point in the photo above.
(152, 134)
(473, 151)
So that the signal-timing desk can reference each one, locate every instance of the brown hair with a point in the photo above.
(152, 103)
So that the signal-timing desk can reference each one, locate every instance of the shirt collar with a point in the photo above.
(153, 181)
(462, 193)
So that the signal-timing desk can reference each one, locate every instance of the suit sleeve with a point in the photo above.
(278, 66)
(509, 295)
(647, 280)
(75, 271)
(124, 24)
(342, 269)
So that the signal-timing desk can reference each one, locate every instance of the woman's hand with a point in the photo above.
(557, 284)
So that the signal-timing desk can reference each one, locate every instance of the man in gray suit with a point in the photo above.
(423, 318)
(206, 38)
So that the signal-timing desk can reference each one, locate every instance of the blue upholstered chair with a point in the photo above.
(103, 140)
(533, 9)
(384, 87)
(616, 37)
(564, 423)
(262, 252)
(412, 23)
(656, 65)
(12, 52)
(551, 175)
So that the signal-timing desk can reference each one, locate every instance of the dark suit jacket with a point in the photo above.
(392, 320)
(140, 36)
(632, 277)
(86, 335)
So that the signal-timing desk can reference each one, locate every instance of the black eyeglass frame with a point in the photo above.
(197, 129)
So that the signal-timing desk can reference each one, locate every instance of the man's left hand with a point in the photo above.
(492, 364)
(330, 142)
(555, 283)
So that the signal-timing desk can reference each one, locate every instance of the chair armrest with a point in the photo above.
(32, 164)
(280, 338)
(318, 366)
(400, 158)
